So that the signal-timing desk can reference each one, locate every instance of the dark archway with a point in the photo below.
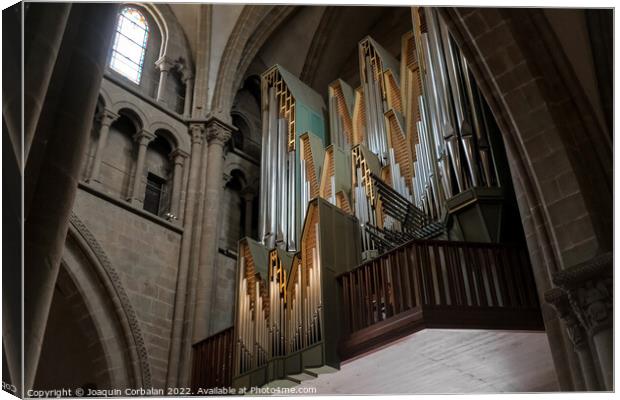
(91, 312)
(72, 355)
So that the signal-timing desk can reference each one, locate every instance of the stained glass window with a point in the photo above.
(132, 32)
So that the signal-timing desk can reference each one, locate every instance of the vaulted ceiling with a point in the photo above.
(317, 43)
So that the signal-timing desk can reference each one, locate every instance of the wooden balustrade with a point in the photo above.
(213, 361)
(436, 284)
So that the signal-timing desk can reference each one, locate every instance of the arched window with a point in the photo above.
(132, 33)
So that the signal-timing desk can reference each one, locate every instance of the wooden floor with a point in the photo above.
(448, 361)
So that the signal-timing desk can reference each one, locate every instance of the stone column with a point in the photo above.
(178, 157)
(189, 91)
(164, 64)
(143, 138)
(218, 133)
(248, 197)
(589, 287)
(203, 56)
(107, 119)
(181, 338)
(46, 27)
(55, 160)
(558, 298)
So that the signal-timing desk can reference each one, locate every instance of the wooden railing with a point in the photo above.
(436, 284)
(212, 363)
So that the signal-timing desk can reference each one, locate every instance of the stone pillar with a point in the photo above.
(143, 138)
(178, 157)
(107, 119)
(189, 91)
(589, 287)
(218, 133)
(558, 298)
(181, 337)
(164, 64)
(46, 27)
(55, 160)
(248, 197)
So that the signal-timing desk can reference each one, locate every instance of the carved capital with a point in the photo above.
(197, 131)
(558, 298)
(178, 156)
(165, 63)
(143, 137)
(107, 117)
(218, 132)
(589, 287)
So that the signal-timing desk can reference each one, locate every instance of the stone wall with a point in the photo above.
(145, 254)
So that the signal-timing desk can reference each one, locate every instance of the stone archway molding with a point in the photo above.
(254, 26)
(113, 285)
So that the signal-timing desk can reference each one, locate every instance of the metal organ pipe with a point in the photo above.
(445, 110)
(270, 208)
(304, 194)
(466, 135)
(371, 119)
(379, 114)
(450, 134)
(431, 92)
(453, 75)
(292, 209)
(479, 129)
(282, 179)
(263, 173)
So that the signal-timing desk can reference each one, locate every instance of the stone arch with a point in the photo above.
(131, 111)
(176, 139)
(105, 97)
(111, 312)
(560, 158)
(168, 136)
(250, 176)
(74, 353)
(161, 24)
(251, 30)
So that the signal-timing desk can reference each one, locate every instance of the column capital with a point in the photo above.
(218, 131)
(197, 130)
(589, 289)
(178, 156)
(143, 137)
(164, 63)
(107, 117)
(558, 299)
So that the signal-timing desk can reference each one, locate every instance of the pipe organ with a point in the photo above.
(407, 155)
(287, 315)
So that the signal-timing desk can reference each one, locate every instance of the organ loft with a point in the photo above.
(214, 198)
(387, 204)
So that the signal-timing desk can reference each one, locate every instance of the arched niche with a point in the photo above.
(158, 173)
(119, 154)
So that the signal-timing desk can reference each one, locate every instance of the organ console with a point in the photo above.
(406, 155)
